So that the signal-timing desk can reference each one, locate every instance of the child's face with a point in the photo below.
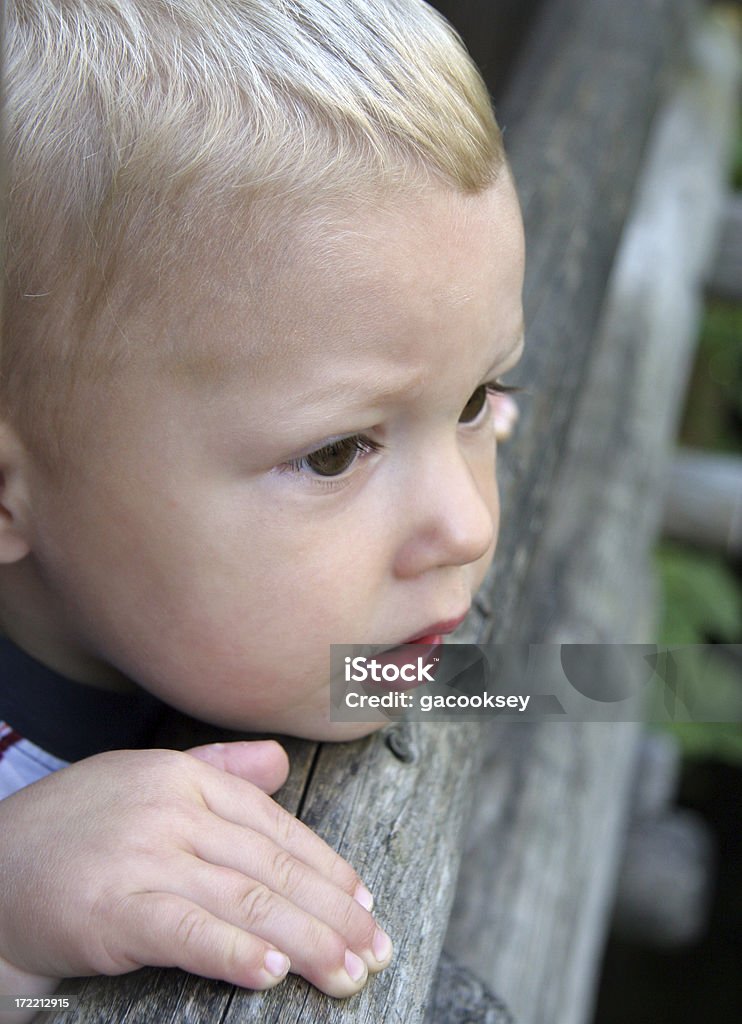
(207, 554)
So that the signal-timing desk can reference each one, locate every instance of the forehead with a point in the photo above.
(343, 317)
(340, 281)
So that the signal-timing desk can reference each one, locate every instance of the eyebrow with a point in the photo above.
(364, 390)
(387, 392)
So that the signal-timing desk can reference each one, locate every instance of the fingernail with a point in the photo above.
(354, 966)
(364, 897)
(382, 946)
(276, 963)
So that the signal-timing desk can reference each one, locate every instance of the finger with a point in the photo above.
(164, 930)
(505, 412)
(317, 951)
(263, 762)
(252, 855)
(228, 798)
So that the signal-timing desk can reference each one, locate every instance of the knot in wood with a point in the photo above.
(400, 743)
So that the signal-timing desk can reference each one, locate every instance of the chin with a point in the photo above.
(310, 725)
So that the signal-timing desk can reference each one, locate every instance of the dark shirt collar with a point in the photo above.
(67, 719)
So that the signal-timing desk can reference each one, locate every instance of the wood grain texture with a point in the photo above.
(540, 864)
(576, 122)
(459, 998)
(576, 117)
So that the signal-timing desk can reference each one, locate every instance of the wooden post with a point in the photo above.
(551, 813)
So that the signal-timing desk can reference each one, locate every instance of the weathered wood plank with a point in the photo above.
(403, 847)
(458, 998)
(540, 865)
(554, 800)
(703, 499)
(576, 121)
(632, 397)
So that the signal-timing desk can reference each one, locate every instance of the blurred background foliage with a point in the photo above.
(701, 591)
(713, 412)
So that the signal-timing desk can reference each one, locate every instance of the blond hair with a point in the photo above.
(132, 125)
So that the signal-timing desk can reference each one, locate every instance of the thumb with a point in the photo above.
(263, 762)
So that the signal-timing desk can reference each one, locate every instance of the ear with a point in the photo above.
(14, 496)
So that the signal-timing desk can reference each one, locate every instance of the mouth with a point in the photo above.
(433, 635)
(430, 638)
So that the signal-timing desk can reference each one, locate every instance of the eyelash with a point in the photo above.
(359, 445)
(362, 445)
(494, 387)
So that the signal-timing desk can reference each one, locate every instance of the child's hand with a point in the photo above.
(158, 857)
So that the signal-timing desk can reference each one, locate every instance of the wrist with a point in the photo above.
(15, 982)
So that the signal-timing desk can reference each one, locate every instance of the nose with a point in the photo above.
(449, 513)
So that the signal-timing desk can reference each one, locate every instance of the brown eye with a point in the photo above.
(475, 405)
(335, 458)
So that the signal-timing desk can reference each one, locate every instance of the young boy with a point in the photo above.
(264, 265)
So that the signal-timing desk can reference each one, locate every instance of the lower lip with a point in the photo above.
(433, 640)
(401, 656)
(398, 656)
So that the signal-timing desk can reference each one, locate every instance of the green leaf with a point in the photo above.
(701, 598)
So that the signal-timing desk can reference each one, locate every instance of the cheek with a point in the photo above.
(324, 538)
(493, 497)
(486, 476)
(291, 571)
